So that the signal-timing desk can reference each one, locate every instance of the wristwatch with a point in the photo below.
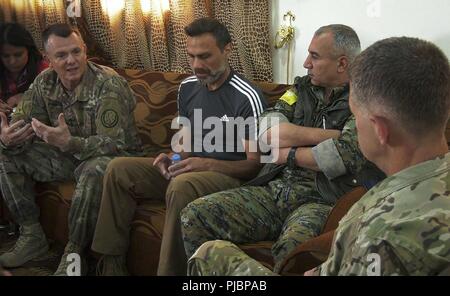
(291, 158)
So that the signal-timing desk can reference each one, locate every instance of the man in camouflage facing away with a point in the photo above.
(318, 160)
(83, 112)
(400, 96)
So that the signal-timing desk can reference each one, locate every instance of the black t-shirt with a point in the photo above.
(219, 120)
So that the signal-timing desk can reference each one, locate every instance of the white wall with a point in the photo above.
(371, 19)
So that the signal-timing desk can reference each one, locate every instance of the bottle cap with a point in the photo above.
(176, 157)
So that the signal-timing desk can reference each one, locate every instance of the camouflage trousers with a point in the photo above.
(218, 258)
(44, 163)
(288, 215)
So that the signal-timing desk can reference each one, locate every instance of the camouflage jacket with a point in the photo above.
(340, 160)
(99, 112)
(400, 227)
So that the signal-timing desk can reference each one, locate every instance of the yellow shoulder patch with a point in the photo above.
(289, 97)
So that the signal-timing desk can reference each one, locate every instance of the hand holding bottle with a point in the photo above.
(163, 162)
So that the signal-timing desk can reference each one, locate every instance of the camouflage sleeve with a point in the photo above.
(374, 257)
(283, 111)
(31, 106)
(113, 114)
(336, 157)
(220, 258)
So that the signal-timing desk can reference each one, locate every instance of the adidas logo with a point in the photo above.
(224, 118)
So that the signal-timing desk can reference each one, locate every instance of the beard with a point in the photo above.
(212, 77)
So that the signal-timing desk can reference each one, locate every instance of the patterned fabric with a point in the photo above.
(219, 216)
(224, 258)
(248, 23)
(156, 96)
(152, 39)
(33, 15)
(400, 227)
(218, 257)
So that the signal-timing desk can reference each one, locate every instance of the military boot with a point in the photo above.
(72, 262)
(30, 245)
(110, 265)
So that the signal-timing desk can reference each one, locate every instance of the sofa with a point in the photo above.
(156, 95)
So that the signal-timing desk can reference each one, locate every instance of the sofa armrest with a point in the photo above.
(315, 251)
(260, 251)
(341, 208)
(308, 255)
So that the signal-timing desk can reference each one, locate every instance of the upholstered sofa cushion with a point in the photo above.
(156, 95)
(145, 239)
(54, 201)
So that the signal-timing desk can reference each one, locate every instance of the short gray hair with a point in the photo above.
(346, 41)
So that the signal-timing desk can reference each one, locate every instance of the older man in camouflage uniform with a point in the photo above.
(295, 199)
(401, 226)
(83, 112)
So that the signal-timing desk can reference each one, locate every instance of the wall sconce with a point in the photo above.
(284, 37)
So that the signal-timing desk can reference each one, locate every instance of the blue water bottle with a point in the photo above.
(176, 158)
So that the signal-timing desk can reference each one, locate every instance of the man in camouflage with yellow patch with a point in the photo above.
(318, 160)
(400, 96)
(82, 115)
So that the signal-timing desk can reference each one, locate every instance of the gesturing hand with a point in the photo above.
(16, 134)
(14, 100)
(56, 136)
(5, 108)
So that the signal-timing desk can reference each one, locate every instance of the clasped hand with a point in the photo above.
(191, 164)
